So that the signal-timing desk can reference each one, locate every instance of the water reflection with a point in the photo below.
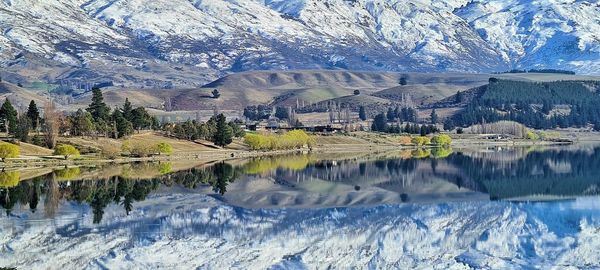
(426, 175)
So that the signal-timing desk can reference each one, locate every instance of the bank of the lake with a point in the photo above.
(203, 152)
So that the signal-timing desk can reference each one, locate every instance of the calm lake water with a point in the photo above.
(494, 208)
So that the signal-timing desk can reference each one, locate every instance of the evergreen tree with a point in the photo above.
(224, 133)
(22, 130)
(390, 114)
(403, 81)
(33, 114)
(216, 93)
(434, 117)
(81, 123)
(98, 109)
(282, 113)
(379, 123)
(139, 118)
(8, 117)
(362, 114)
(458, 97)
(127, 110)
(123, 126)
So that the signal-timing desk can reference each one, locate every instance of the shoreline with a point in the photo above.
(232, 154)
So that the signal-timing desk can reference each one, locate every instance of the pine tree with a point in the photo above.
(98, 109)
(459, 97)
(123, 126)
(33, 114)
(434, 117)
(224, 133)
(380, 123)
(8, 116)
(216, 93)
(362, 114)
(127, 109)
(390, 114)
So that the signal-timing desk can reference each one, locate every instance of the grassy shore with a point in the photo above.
(204, 151)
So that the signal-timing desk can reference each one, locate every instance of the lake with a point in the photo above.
(495, 208)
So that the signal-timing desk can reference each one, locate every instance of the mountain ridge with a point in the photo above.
(187, 43)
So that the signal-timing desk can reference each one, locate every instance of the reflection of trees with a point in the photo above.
(555, 172)
(100, 193)
(224, 174)
(535, 173)
(67, 173)
(52, 195)
(9, 179)
(263, 165)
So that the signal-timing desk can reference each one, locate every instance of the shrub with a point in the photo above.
(442, 139)
(532, 136)
(66, 150)
(164, 148)
(137, 149)
(421, 140)
(8, 150)
(405, 140)
(110, 151)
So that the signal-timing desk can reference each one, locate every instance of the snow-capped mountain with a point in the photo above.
(187, 42)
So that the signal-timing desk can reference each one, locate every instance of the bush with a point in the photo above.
(164, 148)
(137, 149)
(8, 150)
(66, 150)
(442, 139)
(421, 140)
(110, 151)
(532, 136)
(405, 140)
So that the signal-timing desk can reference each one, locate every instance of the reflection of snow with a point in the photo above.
(559, 166)
(193, 230)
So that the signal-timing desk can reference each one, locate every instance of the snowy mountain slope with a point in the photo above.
(131, 41)
(176, 231)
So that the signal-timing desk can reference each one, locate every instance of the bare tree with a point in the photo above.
(51, 124)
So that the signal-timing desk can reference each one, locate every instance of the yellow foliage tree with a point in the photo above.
(164, 148)
(421, 140)
(8, 150)
(66, 150)
(442, 139)
(294, 139)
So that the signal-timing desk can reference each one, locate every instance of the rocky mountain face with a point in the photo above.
(186, 43)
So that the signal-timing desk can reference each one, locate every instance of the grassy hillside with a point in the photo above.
(286, 88)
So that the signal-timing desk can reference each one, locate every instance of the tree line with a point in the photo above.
(534, 104)
(99, 120)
